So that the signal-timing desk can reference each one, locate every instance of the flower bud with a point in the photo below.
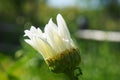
(55, 45)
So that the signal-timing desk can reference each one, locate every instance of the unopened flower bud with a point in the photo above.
(55, 45)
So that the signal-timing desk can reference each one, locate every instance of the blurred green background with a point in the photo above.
(19, 61)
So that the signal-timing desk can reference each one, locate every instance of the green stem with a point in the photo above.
(70, 74)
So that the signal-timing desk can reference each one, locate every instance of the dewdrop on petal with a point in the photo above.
(55, 45)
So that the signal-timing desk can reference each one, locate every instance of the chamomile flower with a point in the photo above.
(55, 45)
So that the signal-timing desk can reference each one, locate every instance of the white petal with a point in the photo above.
(28, 33)
(72, 44)
(54, 39)
(33, 29)
(67, 43)
(50, 36)
(39, 30)
(30, 42)
(43, 47)
(34, 32)
(62, 27)
(52, 24)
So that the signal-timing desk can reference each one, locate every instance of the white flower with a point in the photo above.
(55, 45)
(54, 40)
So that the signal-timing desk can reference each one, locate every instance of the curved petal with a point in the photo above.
(51, 23)
(29, 42)
(28, 33)
(54, 39)
(62, 27)
(72, 44)
(39, 31)
(35, 31)
(43, 47)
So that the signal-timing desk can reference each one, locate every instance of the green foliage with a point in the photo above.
(100, 61)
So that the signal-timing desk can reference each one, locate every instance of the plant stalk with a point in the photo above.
(70, 74)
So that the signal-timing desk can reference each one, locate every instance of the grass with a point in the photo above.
(100, 60)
